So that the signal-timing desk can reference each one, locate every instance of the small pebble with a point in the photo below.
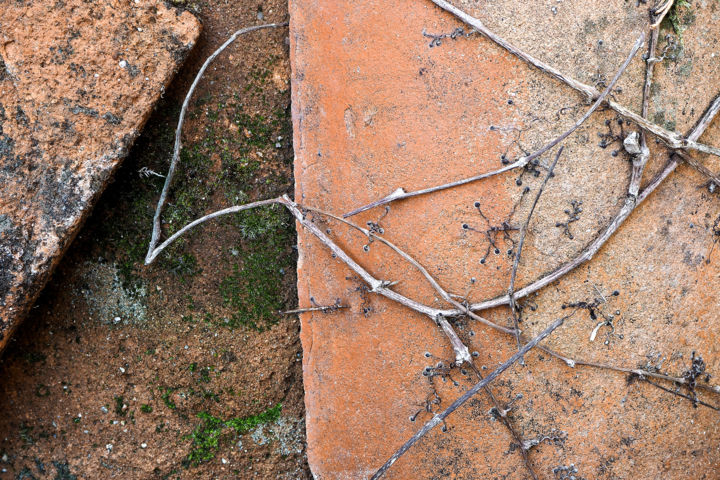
(143, 445)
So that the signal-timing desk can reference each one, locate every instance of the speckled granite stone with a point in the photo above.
(77, 81)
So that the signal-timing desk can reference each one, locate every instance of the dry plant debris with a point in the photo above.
(457, 309)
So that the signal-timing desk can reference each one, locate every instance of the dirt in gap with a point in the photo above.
(183, 369)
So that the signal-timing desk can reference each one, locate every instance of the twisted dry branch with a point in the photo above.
(157, 228)
(671, 139)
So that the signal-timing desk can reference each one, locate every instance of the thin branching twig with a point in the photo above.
(628, 207)
(502, 413)
(440, 417)
(322, 308)
(682, 395)
(400, 193)
(415, 263)
(641, 157)
(660, 11)
(156, 231)
(152, 254)
(521, 242)
(672, 139)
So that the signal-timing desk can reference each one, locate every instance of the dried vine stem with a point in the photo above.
(502, 413)
(155, 237)
(688, 397)
(628, 207)
(660, 11)
(672, 139)
(152, 254)
(376, 286)
(714, 178)
(445, 325)
(640, 159)
(431, 280)
(439, 418)
(400, 193)
(706, 119)
(697, 131)
(640, 372)
(521, 242)
(325, 309)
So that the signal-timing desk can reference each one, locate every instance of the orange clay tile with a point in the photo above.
(378, 105)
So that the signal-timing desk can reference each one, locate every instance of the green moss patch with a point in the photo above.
(254, 289)
(207, 436)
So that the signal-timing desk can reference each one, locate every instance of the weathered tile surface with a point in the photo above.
(376, 107)
(77, 82)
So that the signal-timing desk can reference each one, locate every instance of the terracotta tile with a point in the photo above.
(375, 107)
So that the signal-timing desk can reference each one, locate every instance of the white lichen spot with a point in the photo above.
(286, 433)
(108, 298)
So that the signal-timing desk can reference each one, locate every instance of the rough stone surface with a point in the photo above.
(77, 82)
(376, 107)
